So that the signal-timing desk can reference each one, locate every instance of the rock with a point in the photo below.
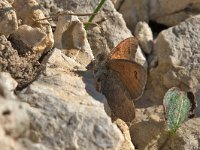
(7, 84)
(109, 21)
(134, 11)
(8, 21)
(27, 39)
(162, 12)
(7, 143)
(13, 119)
(70, 33)
(172, 12)
(149, 131)
(177, 50)
(23, 68)
(31, 14)
(71, 37)
(127, 145)
(65, 105)
(145, 36)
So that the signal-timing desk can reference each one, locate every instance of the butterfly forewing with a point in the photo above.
(125, 50)
(132, 75)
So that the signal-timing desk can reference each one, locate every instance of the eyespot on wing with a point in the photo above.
(132, 75)
(125, 49)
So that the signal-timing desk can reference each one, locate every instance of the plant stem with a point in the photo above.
(94, 14)
(169, 136)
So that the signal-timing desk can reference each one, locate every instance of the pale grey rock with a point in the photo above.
(8, 18)
(14, 119)
(7, 82)
(70, 33)
(7, 143)
(168, 13)
(134, 11)
(172, 12)
(71, 37)
(66, 111)
(145, 36)
(7, 86)
(177, 50)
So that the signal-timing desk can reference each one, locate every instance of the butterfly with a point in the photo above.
(120, 78)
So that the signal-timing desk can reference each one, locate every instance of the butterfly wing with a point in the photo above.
(118, 97)
(132, 75)
(125, 49)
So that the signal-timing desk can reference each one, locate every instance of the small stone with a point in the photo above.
(8, 21)
(127, 145)
(27, 39)
(7, 84)
(145, 37)
(32, 15)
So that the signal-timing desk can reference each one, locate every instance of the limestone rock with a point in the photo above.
(7, 143)
(8, 18)
(27, 39)
(14, 119)
(127, 145)
(31, 14)
(177, 49)
(172, 12)
(70, 33)
(66, 110)
(134, 11)
(71, 37)
(145, 36)
(7, 84)
(168, 13)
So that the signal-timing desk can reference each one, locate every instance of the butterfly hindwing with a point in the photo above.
(132, 75)
(118, 97)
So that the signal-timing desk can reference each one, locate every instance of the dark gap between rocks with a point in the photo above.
(156, 27)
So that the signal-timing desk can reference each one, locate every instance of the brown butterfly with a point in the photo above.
(120, 78)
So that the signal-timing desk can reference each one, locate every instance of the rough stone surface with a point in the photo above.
(177, 50)
(8, 18)
(14, 119)
(145, 36)
(23, 68)
(127, 145)
(27, 39)
(70, 33)
(71, 37)
(134, 11)
(168, 13)
(8, 84)
(65, 105)
(111, 28)
(173, 12)
(30, 14)
(148, 131)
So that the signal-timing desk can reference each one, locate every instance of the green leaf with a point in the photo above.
(177, 107)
